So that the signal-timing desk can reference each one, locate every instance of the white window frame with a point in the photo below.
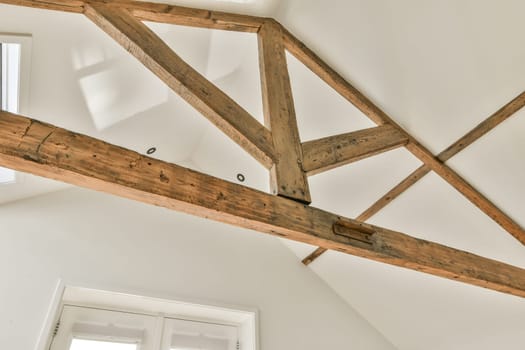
(25, 41)
(245, 319)
(23, 79)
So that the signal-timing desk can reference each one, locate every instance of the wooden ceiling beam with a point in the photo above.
(45, 150)
(157, 12)
(209, 100)
(192, 17)
(463, 142)
(365, 105)
(334, 151)
(287, 177)
(75, 6)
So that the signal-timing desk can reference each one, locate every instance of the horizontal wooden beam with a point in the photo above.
(377, 206)
(192, 17)
(75, 6)
(157, 12)
(45, 150)
(212, 102)
(463, 142)
(365, 105)
(334, 151)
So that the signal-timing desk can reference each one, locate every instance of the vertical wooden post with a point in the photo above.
(288, 179)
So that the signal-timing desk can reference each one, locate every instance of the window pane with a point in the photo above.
(81, 344)
(7, 176)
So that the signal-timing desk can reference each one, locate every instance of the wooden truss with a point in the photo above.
(42, 149)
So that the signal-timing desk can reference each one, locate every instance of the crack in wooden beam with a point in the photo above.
(466, 140)
(335, 151)
(365, 105)
(85, 161)
(199, 92)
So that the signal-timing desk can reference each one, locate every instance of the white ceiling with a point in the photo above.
(437, 67)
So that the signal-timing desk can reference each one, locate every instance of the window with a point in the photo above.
(10, 73)
(15, 52)
(101, 320)
(7, 176)
(81, 344)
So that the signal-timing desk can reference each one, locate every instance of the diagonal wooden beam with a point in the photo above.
(365, 105)
(45, 150)
(157, 12)
(466, 140)
(334, 151)
(287, 177)
(214, 104)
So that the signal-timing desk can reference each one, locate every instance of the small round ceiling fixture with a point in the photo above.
(241, 177)
(151, 150)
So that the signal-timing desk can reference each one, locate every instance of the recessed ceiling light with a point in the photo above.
(241, 177)
(151, 150)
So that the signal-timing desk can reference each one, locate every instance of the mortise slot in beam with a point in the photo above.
(45, 150)
(463, 142)
(365, 105)
(209, 100)
(334, 151)
(354, 231)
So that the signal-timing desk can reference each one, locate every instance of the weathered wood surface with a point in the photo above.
(212, 102)
(45, 150)
(75, 6)
(365, 105)
(334, 151)
(287, 177)
(157, 12)
(463, 142)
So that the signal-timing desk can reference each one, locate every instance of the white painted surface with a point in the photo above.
(103, 242)
(438, 68)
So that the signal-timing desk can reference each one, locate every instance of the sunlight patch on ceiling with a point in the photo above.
(120, 90)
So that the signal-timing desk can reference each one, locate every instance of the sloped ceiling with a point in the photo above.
(436, 67)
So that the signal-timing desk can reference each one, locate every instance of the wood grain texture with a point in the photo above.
(197, 17)
(288, 178)
(378, 205)
(334, 151)
(311, 60)
(75, 6)
(209, 100)
(157, 12)
(472, 194)
(466, 140)
(484, 127)
(365, 105)
(45, 150)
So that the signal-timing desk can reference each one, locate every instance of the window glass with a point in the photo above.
(193, 335)
(10, 87)
(82, 344)
(7, 176)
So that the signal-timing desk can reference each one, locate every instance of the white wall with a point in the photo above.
(96, 240)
